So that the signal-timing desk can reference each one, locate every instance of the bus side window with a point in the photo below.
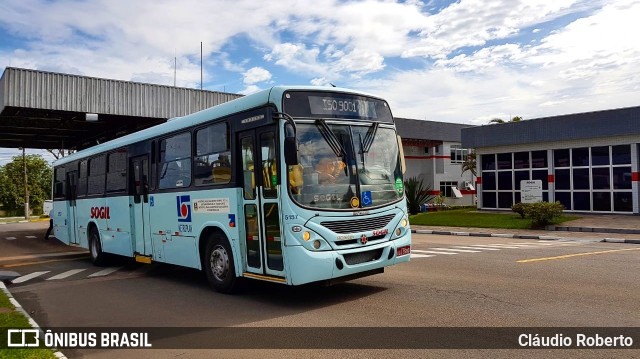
(269, 164)
(212, 162)
(175, 161)
(249, 182)
(59, 182)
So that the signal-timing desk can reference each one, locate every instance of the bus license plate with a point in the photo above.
(403, 251)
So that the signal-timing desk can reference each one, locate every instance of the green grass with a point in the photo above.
(474, 218)
(12, 319)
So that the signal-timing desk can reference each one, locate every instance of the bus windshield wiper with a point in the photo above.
(330, 138)
(368, 138)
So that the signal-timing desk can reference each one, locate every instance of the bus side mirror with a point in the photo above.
(291, 151)
(403, 165)
(290, 145)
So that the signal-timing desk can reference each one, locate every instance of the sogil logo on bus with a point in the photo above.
(381, 232)
(184, 208)
(100, 212)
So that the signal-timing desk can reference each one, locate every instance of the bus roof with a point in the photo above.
(272, 95)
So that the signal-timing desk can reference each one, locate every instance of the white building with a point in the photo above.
(587, 161)
(433, 154)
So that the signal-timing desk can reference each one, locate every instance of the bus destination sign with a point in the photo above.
(325, 105)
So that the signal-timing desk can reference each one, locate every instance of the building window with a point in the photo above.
(598, 179)
(458, 154)
(502, 174)
(445, 188)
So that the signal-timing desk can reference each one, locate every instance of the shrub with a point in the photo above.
(519, 208)
(416, 193)
(542, 213)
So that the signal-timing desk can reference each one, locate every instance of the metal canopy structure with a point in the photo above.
(49, 110)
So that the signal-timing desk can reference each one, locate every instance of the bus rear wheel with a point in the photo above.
(98, 257)
(218, 265)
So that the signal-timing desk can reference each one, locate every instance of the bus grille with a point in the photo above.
(363, 257)
(358, 225)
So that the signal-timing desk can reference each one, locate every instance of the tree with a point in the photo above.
(499, 120)
(417, 194)
(469, 164)
(12, 182)
(58, 154)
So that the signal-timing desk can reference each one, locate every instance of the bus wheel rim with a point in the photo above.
(219, 263)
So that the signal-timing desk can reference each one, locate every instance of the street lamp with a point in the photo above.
(26, 189)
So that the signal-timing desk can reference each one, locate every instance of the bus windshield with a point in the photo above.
(346, 166)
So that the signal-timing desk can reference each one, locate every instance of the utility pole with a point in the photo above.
(26, 189)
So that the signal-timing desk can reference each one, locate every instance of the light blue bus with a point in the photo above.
(291, 185)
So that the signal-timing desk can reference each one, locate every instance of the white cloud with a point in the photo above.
(474, 23)
(255, 75)
(470, 61)
(296, 57)
(250, 89)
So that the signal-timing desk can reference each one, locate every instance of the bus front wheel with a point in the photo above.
(95, 248)
(218, 264)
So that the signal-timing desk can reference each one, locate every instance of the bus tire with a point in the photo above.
(218, 264)
(98, 257)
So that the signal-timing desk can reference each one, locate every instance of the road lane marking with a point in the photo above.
(415, 255)
(31, 237)
(104, 272)
(66, 274)
(486, 248)
(574, 255)
(40, 262)
(10, 238)
(495, 246)
(482, 246)
(431, 252)
(27, 277)
(457, 250)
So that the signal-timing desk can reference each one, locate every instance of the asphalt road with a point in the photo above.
(451, 282)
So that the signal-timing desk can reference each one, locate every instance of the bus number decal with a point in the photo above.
(289, 217)
(100, 212)
(185, 228)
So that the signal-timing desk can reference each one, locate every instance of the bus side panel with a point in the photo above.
(177, 219)
(60, 221)
(83, 214)
(116, 238)
(173, 231)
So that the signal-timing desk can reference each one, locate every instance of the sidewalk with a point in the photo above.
(602, 228)
(5, 220)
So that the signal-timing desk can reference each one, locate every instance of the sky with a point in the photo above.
(466, 61)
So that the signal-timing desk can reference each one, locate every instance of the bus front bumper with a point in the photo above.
(307, 266)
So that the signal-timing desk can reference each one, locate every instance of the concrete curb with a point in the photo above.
(517, 236)
(32, 322)
(620, 240)
(593, 229)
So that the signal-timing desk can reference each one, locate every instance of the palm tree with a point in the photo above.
(499, 120)
(469, 164)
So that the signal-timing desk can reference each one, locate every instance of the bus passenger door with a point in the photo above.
(263, 245)
(139, 204)
(72, 195)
